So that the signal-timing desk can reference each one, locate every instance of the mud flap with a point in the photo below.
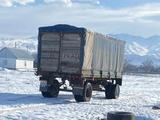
(78, 91)
(43, 86)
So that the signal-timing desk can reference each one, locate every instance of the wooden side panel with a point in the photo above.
(50, 51)
(70, 53)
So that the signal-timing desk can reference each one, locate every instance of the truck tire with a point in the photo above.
(78, 98)
(120, 116)
(87, 94)
(112, 91)
(52, 91)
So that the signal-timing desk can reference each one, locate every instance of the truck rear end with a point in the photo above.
(59, 51)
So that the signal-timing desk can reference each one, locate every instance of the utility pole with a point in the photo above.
(27, 48)
(15, 45)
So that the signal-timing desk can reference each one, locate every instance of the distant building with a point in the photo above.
(13, 58)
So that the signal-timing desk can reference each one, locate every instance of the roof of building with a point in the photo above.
(16, 53)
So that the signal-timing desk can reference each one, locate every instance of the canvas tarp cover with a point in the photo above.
(88, 54)
(102, 54)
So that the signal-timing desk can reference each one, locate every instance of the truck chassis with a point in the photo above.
(81, 87)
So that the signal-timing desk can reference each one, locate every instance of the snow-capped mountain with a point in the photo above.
(137, 49)
(29, 44)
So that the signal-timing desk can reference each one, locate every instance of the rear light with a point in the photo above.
(76, 77)
(77, 80)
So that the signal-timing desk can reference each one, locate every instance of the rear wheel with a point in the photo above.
(112, 91)
(52, 91)
(87, 94)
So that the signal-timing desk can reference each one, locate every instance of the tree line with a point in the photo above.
(146, 66)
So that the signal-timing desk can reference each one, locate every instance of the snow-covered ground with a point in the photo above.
(20, 99)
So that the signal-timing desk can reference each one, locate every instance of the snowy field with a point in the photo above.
(20, 99)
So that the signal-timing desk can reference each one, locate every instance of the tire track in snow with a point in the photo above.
(36, 103)
(22, 100)
(15, 109)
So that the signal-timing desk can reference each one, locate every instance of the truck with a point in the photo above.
(88, 60)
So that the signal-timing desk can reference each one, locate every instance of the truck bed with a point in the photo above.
(65, 49)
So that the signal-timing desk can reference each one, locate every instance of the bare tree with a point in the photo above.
(126, 64)
(129, 67)
(148, 66)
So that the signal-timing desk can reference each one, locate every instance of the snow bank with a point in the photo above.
(20, 99)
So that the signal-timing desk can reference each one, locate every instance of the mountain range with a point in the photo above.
(137, 49)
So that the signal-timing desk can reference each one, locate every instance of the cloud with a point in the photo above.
(6, 3)
(145, 11)
(24, 2)
(66, 2)
(87, 1)
(9, 3)
(69, 3)
(139, 20)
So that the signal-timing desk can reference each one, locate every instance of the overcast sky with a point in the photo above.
(136, 17)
